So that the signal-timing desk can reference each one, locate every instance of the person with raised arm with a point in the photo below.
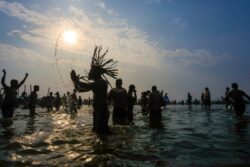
(99, 87)
(10, 100)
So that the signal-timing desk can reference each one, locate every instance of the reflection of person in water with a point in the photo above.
(236, 96)
(99, 67)
(33, 100)
(10, 100)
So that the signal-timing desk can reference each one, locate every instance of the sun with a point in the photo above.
(70, 36)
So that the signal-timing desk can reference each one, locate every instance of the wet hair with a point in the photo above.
(234, 85)
(14, 83)
(101, 66)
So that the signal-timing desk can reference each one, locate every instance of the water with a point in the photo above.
(189, 137)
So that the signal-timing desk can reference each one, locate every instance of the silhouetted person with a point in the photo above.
(73, 103)
(64, 100)
(165, 98)
(189, 100)
(79, 102)
(236, 96)
(144, 103)
(33, 100)
(49, 102)
(24, 100)
(118, 96)
(154, 105)
(10, 100)
(207, 99)
(99, 87)
(57, 101)
(131, 101)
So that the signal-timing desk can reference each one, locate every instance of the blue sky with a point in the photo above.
(180, 46)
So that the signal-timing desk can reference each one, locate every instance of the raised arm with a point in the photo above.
(3, 79)
(79, 86)
(24, 79)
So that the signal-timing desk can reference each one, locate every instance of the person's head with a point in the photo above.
(74, 91)
(227, 88)
(206, 89)
(14, 83)
(235, 86)
(166, 94)
(51, 93)
(154, 88)
(118, 83)
(95, 72)
(131, 88)
(36, 88)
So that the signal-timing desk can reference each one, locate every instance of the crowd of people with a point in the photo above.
(123, 101)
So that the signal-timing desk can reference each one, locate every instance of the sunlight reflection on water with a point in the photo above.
(189, 137)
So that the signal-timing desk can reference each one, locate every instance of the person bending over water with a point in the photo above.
(118, 96)
(99, 67)
(10, 100)
(236, 96)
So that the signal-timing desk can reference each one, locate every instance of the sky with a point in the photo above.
(179, 46)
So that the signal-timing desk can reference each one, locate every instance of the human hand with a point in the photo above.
(73, 76)
(26, 75)
(4, 71)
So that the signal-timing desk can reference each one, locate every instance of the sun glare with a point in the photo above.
(70, 37)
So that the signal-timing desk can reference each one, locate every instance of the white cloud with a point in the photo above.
(21, 56)
(126, 43)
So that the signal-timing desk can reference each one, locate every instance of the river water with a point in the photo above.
(188, 137)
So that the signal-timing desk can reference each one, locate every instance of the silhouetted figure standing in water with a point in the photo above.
(189, 100)
(33, 100)
(79, 102)
(118, 96)
(154, 105)
(131, 101)
(57, 101)
(144, 102)
(10, 100)
(73, 103)
(49, 102)
(207, 99)
(236, 96)
(99, 67)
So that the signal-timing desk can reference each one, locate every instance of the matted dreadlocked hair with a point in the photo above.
(102, 65)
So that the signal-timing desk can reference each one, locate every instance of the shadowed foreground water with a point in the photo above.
(189, 137)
